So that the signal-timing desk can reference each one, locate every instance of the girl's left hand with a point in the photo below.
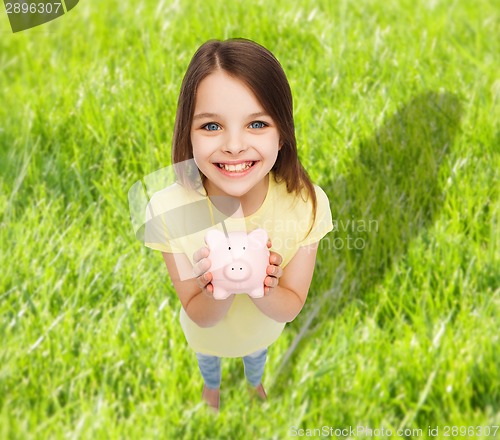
(274, 271)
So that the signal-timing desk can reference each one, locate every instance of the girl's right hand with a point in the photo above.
(201, 266)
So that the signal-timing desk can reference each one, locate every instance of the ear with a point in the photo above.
(258, 237)
(214, 237)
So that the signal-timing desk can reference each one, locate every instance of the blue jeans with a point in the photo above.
(210, 368)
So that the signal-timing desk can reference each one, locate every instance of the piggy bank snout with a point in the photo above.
(238, 270)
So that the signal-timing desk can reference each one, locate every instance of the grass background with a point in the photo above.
(397, 118)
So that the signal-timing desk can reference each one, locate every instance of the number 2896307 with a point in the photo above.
(33, 8)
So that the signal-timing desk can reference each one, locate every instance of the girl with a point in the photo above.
(235, 121)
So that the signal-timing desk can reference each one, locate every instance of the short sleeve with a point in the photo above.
(156, 235)
(323, 221)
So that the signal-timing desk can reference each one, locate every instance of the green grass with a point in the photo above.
(397, 110)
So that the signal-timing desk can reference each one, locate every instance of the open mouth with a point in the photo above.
(235, 168)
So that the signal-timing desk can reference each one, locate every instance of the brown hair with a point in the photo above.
(262, 73)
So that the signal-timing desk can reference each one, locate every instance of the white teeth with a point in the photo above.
(236, 168)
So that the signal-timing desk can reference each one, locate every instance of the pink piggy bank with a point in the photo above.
(239, 262)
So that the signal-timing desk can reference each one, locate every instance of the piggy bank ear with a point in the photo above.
(214, 238)
(258, 238)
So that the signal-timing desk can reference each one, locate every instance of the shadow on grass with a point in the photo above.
(391, 196)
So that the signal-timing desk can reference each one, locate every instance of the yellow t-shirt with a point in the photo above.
(188, 215)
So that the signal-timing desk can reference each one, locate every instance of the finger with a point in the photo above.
(208, 291)
(275, 258)
(271, 282)
(274, 271)
(201, 267)
(269, 244)
(201, 282)
(268, 291)
(201, 253)
(204, 280)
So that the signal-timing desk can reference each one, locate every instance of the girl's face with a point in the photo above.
(235, 142)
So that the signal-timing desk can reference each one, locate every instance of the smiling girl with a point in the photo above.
(235, 120)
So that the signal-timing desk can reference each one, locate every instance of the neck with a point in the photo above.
(253, 199)
(249, 202)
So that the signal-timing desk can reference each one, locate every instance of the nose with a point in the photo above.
(234, 150)
(238, 270)
(235, 144)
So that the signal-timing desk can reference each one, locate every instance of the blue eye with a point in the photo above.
(258, 124)
(211, 126)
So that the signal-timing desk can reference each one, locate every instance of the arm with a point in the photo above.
(195, 294)
(288, 297)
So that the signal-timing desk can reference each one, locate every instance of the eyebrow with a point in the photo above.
(215, 115)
